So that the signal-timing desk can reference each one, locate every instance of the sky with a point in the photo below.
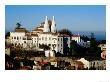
(73, 17)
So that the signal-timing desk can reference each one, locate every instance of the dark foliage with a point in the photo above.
(85, 38)
(7, 34)
(65, 31)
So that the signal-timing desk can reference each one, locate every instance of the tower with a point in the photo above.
(53, 26)
(46, 25)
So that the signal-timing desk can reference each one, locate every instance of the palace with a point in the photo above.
(45, 34)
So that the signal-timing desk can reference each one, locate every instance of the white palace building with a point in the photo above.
(45, 34)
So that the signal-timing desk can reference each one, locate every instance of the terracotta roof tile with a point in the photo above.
(20, 30)
(34, 35)
(38, 28)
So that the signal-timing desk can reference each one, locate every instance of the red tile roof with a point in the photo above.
(21, 30)
(34, 35)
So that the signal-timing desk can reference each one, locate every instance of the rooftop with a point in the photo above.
(76, 35)
(21, 30)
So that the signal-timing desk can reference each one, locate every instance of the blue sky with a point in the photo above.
(73, 17)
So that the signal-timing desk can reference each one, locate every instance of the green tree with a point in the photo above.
(85, 38)
(7, 34)
(45, 47)
(18, 25)
(73, 47)
(94, 49)
(65, 31)
(93, 43)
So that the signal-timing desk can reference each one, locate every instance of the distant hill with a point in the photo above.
(99, 35)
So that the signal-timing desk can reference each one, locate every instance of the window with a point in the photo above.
(94, 64)
(42, 38)
(49, 38)
(58, 45)
(58, 39)
(45, 38)
(14, 37)
(49, 44)
(17, 38)
(61, 39)
(24, 41)
(61, 44)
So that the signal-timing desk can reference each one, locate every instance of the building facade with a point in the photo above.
(45, 34)
(97, 64)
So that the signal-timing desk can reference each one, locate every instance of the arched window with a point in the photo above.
(17, 38)
(61, 39)
(45, 38)
(58, 39)
(14, 37)
(24, 41)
